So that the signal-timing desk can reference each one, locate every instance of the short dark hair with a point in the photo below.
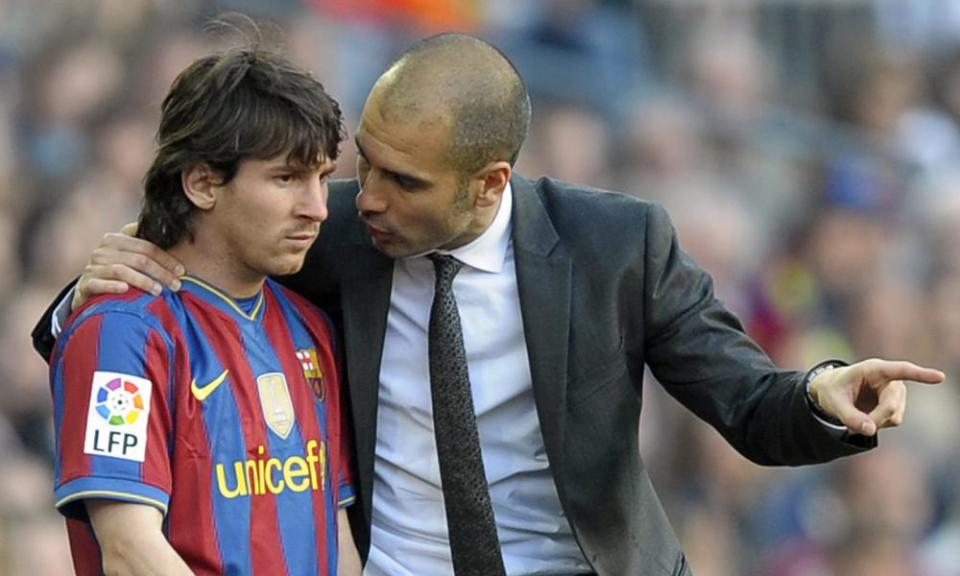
(489, 103)
(245, 103)
(488, 130)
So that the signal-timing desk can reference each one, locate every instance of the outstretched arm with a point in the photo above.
(702, 355)
(869, 395)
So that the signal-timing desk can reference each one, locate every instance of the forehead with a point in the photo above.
(413, 142)
(288, 161)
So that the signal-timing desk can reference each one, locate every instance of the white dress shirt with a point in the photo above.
(409, 532)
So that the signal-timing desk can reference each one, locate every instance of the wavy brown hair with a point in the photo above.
(224, 108)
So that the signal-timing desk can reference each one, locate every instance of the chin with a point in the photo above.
(286, 267)
(394, 250)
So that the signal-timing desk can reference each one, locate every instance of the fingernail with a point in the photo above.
(865, 427)
(157, 289)
(176, 285)
(179, 270)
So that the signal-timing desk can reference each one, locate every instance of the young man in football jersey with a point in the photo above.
(200, 431)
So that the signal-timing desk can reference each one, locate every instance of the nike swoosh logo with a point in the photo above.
(201, 393)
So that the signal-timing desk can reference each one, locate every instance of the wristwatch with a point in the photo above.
(817, 370)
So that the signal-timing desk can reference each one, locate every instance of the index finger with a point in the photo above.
(903, 370)
(141, 255)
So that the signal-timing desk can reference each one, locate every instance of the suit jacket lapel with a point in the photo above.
(544, 279)
(544, 283)
(365, 292)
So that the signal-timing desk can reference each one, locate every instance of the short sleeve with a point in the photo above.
(110, 380)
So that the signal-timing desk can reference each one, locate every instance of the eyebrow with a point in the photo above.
(413, 181)
(331, 167)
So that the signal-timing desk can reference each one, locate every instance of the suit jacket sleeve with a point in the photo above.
(700, 353)
(43, 339)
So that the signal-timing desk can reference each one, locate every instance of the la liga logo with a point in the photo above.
(117, 416)
(119, 402)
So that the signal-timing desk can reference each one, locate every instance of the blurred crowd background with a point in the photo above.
(807, 151)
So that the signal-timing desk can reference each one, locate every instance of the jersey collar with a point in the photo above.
(213, 295)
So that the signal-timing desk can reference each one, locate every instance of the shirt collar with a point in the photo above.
(488, 251)
(220, 299)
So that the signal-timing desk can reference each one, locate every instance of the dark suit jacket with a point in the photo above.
(604, 290)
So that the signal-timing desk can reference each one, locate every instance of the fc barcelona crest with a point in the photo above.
(276, 403)
(312, 371)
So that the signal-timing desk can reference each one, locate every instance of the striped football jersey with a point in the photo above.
(224, 415)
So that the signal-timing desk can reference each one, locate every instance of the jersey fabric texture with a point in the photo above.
(225, 417)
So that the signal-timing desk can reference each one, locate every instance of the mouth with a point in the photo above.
(302, 238)
(378, 234)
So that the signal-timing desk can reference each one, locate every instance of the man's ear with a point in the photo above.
(200, 183)
(493, 179)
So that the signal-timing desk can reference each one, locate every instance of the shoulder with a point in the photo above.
(563, 191)
(134, 313)
(580, 212)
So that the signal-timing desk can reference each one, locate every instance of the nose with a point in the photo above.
(371, 198)
(314, 204)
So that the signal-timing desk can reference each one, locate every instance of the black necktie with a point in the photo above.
(473, 532)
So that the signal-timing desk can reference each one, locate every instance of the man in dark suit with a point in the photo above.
(561, 296)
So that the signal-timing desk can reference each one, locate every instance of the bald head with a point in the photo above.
(467, 84)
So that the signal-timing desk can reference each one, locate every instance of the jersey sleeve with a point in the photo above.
(110, 381)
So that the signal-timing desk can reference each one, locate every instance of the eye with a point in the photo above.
(404, 182)
(285, 178)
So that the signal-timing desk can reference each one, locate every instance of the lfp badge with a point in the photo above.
(117, 416)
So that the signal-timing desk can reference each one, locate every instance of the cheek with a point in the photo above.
(427, 226)
(253, 235)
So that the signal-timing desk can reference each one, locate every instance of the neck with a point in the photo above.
(482, 219)
(235, 280)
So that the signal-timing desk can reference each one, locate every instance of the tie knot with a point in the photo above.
(446, 268)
